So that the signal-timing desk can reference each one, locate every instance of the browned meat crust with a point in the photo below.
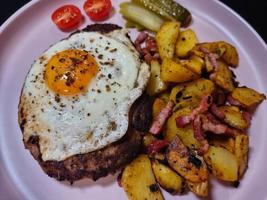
(95, 164)
(101, 28)
(92, 165)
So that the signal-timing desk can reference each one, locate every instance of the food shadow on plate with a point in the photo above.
(86, 182)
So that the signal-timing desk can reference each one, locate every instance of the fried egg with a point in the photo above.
(77, 96)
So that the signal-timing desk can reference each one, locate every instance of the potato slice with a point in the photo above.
(158, 105)
(248, 97)
(166, 39)
(155, 84)
(138, 180)
(233, 117)
(241, 153)
(226, 51)
(223, 77)
(178, 91)
(186, 41)
(200, 189)
(165, 96)
(230, 56)
(194, 63)
(172, 71)
(186, 134)
(188, 166)
(190, 94)
(222, 163)
(221, 141)
(167, 178)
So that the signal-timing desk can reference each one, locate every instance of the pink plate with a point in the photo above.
(30, 31)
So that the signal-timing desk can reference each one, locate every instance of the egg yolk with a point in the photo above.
(69, 72)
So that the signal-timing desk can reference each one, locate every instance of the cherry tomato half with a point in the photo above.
(97, 10)
(67, 17)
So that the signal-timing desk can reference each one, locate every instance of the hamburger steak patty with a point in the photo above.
(94, 164)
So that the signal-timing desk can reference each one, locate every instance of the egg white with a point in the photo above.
(70, 125)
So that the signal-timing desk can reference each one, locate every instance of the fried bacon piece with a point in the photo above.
(195, 117)
(156, 146)
(198, 130)
(233, 101)
(199, 135)
(247, 116)
(146, 45)
(211, 124)
(204, 105)
(140, 40)
(160, 120)
(212, 57)
(218, 113)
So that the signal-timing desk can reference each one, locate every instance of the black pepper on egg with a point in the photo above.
(108, 89)
(113, 50)
(100, 56)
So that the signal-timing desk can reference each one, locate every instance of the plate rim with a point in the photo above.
(232, 11)
(28, 5)
(16, 14)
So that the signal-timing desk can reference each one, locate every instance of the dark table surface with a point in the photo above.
(253, 11)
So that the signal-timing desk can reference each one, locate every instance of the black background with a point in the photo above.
(254, 11)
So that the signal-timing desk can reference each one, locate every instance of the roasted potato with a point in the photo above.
(138, 180)
(190, 94)
(158, 105)
(248, 97)
(200, 189)
(165, 96)
(187, 165)
(176, 96)
(167, 178)
(186, 72)
(186, 134)
(223, 77)
(155, 84)
(234, 117)
(194, 63)
(186, 41)
(172, 71)
(230, 56)
(166, 39)
(222, 163)
(226, 51)
(241, 153)
(197, 88)
(221, 141)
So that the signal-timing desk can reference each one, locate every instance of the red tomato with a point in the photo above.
(67, 17)
(97, 10)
